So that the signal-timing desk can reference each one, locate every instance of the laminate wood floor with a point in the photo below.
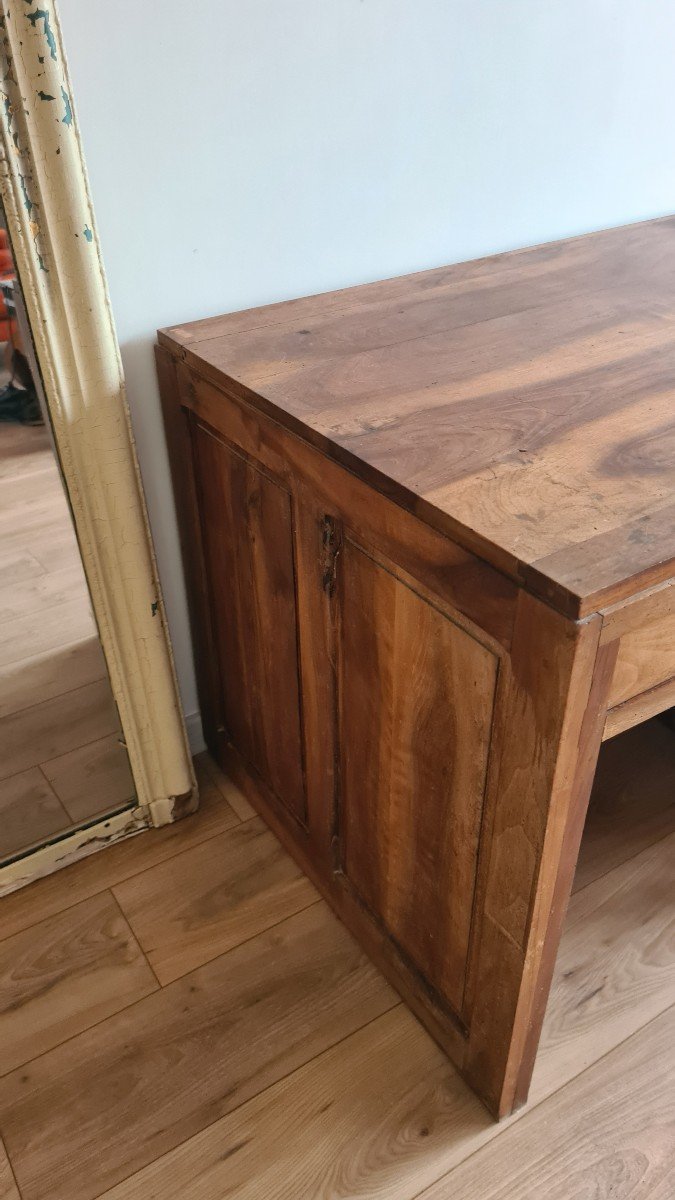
(61, 759)
(181, 1017)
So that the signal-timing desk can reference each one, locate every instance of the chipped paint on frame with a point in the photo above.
(53, 231)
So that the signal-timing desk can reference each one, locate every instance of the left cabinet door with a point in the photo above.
(247, 531)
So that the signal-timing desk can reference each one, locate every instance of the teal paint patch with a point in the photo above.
(155, 608)
(41, 14)
(68, 118)
(28, 203)
(88, 234)
(46, 96)
(41, 263)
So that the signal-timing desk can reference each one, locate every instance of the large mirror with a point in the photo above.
(63, 762)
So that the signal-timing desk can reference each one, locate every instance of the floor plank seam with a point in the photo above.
(256, 1096)
(144, 956)
(13, 1175)
(80, 745)
(528, 1108)
(59, 695)
(244, 942)
(603, 874)
(122, 879)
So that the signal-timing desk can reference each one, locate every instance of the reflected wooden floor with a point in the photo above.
(61, 762)
(183, 1018)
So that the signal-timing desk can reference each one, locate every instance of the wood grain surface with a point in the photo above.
(609, 1134)
(150, 1077)
(646, 659)
(412, 788)
(57, 892)
(607, 982)
(93, 778)
(381, 1115)
(248, 545)
(8, 1188)
(226, 890)
(281, 1069)
(632, 804)
(523, 402)
(30, 811)
(65, 974)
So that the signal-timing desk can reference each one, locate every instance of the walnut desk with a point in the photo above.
(429, 531)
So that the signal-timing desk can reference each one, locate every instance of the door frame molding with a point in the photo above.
(49, 216)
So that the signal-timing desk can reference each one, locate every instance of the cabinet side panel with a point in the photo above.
(248, 546)
(416, 703)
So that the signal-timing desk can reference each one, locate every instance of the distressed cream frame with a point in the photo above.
(48, 210)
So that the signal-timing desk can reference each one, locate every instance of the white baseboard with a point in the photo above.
(193, 724)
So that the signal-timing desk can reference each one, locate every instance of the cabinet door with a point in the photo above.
(247, 530)
(416, 698)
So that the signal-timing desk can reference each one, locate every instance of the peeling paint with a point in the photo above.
(41, 14)
(68, 118)
(28, 203)
(7, 105)
(183, 805)
(155, 608)
(88, 234)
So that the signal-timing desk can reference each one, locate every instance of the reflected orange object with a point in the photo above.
(9, 331)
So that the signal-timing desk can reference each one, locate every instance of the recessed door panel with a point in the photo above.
(416, 698)
(248, 544)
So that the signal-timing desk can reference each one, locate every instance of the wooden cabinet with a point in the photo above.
(413, 609)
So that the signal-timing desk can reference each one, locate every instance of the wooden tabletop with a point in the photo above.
(524, 403)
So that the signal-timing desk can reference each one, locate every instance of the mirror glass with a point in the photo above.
(63, 763)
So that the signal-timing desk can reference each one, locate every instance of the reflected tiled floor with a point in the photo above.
(61, 761)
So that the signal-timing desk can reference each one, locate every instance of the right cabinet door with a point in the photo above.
(416, 694)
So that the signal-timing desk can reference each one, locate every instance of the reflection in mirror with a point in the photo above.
(63, 764)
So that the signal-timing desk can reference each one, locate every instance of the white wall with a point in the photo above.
(252, 150)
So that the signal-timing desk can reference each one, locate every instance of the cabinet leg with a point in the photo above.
(548, 747)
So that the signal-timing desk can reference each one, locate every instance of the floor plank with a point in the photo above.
(91, 779)
(49, 647)
(17, 566)
(152, 1076)
(236, 798)
(633, 799)
(619, 934)
(56, 726)
(41, 593)
(381, 1115)
(233, 1078)
(615, 969)
(25, 636)
(8, 1188)
(213, 897)
(42, 677)
(238, 1011)
(23, 449)
(57, 892)
(29, 812)
(66, 974)
(609, 1135)
(28, 489)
